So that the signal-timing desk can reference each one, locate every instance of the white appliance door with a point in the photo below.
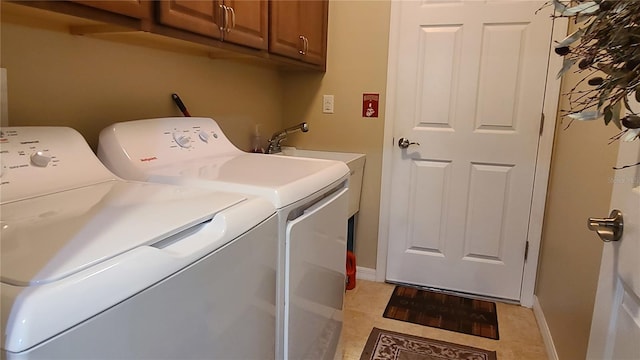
(316, 258)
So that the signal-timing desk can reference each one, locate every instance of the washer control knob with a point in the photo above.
(183, 141)
(39, 159)
(203, 136)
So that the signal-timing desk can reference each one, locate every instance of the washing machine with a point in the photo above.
(95, 267)
(308, 194)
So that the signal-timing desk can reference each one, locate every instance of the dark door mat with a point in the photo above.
(385, 344)
(444, 311)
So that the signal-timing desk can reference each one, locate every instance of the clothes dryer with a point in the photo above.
(309, 195)
(95, 267)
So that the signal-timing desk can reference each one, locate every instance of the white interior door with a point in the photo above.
(470, 88)
(615, 328)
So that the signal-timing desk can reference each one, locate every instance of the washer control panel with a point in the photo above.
(37, 160)
(127, 147)
(191, 137)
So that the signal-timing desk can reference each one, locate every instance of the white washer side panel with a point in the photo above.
(317, 247)
(201, 312)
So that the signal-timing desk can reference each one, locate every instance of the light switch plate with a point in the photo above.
(327, 104)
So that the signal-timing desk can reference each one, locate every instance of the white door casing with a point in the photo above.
(466, 81)
(615, 327)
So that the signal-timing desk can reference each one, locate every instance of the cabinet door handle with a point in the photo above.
(306, 45)
(301, 50)
(233, 19)
(225, 17)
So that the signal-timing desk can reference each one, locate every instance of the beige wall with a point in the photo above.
(580, 187)
(356, 64)
(86, 83)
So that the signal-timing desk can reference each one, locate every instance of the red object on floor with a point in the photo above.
(351, 270)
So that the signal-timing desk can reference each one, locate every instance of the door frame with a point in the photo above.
(543, 160)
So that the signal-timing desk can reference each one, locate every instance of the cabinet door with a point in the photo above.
(247, 22)
(314, 16)
(284, 34)
(298, 29)
(139, 9)
(197, 16)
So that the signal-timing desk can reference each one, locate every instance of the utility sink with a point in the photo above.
(354, 161)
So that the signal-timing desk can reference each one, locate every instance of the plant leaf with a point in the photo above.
(588, 7)
(608, 114)
(571, 38)
(566, 65)
(585, 115)
(559, 7)
(605, 68)
(615, 112)
(631, 122)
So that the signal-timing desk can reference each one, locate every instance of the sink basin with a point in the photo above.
(354, 161)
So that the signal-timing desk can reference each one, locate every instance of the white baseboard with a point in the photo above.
(364, 273)
(544, 329)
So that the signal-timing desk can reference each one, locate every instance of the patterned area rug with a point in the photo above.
(389, 345)
(444, 311)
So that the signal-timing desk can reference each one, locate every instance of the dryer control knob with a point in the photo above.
(203, 136)
(39, 159)
(182, 140)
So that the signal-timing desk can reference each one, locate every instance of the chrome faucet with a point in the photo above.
(278, 138)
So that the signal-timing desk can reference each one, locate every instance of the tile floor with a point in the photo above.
(520, 338)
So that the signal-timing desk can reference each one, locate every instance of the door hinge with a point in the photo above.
(541, 124)
(526, 251)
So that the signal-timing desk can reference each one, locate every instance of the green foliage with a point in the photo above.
(606, 48)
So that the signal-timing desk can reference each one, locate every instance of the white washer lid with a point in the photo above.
(282, 180)
(48, 238)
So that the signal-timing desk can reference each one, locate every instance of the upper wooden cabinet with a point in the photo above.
(289, 33)
(298, 29)
(242, 22)
(139, 9)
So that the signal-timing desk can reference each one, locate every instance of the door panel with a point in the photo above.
(486, 212)
(200, 17)
(439, 51)
(250, 24)
(314, 28)
(615, 328)
(284, 30)
(291, 21)
(471, 81)
(315, 287)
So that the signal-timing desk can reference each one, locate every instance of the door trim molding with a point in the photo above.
(543, 160)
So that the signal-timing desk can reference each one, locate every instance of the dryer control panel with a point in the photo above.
(38, 160)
